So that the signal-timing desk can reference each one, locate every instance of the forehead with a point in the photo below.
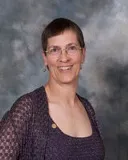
(63, 39)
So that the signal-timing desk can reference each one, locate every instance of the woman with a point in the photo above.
(53, 122)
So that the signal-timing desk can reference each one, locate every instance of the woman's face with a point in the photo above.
(64, 66)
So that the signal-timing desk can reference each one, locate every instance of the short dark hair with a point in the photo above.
(58, 26)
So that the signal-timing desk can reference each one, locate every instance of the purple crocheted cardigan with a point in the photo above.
(24, 129)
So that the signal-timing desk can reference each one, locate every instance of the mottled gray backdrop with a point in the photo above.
(104, 77)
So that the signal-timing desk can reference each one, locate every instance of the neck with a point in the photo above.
(61, 93)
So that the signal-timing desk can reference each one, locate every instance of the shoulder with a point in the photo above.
(21, 114)
(23, 106)
(30, 97)
(87, 104)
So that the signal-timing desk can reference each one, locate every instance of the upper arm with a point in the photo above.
(9, 146)
(13, 127)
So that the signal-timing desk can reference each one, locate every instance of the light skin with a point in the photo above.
(59, 80)
(64, 105)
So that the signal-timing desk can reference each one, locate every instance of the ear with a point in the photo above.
(44, 59)
(83, 54)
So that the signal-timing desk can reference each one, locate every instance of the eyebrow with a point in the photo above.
(69, 44)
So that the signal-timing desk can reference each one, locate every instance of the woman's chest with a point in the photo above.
(64, 147)
(74, 122)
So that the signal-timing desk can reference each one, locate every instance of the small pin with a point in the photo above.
(54, 125)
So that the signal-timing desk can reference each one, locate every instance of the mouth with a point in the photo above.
(65, 68)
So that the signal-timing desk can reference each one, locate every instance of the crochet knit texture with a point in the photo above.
(24, 130)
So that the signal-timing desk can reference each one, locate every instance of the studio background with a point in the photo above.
(104, 76)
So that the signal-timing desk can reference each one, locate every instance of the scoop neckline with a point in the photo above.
(67, 135)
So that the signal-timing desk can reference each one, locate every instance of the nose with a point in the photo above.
(64, 56)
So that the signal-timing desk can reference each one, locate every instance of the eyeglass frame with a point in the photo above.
(65, 48)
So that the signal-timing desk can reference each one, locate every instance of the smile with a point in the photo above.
(65, 68)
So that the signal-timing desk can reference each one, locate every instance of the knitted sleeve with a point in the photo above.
(13, 127)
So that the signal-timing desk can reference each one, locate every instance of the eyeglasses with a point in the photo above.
(70, 49)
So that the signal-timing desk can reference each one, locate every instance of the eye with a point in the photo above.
(54, 50)
(73, 47)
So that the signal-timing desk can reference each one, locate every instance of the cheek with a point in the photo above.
(51, 63)
(78, 60)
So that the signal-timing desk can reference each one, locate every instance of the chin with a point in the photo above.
(68, 80)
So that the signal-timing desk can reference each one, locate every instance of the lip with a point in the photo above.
(65, 68)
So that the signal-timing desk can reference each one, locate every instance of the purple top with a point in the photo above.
(61, 146)
(26, 133)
